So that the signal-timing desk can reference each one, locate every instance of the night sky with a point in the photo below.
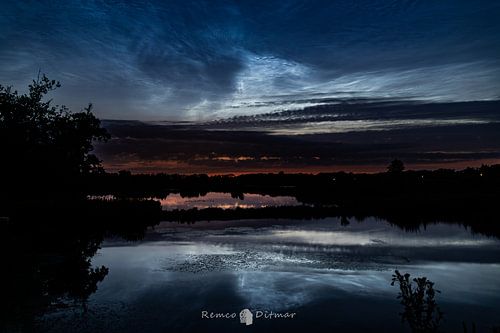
(325, 73)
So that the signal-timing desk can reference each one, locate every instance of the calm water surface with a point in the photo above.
(335, 278)
(226, 201)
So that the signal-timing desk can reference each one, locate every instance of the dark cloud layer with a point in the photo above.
(439, 135)
(201, 60)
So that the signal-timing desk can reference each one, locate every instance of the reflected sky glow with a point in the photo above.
(282, 266)
(373, 238)
(225, 201)
(318, 269)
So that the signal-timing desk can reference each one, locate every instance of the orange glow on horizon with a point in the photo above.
(179, 167)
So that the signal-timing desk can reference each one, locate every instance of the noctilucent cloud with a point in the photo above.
(203, 60)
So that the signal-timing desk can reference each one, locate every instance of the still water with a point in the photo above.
(333, 277)
(225, 201)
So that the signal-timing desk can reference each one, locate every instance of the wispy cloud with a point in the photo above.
(202, 60)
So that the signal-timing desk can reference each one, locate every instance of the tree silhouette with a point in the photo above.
(396, 166)
(45, 143)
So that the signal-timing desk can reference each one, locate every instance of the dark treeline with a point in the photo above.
(408, 199)
(407, 216)
(307, 188)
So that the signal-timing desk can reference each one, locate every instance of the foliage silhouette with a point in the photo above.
(45, 144)
(421, 311)
(396, 166)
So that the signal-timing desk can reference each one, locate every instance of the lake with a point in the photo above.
(332, 276)
(225, 201)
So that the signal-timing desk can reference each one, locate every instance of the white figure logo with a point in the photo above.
(246, 317)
